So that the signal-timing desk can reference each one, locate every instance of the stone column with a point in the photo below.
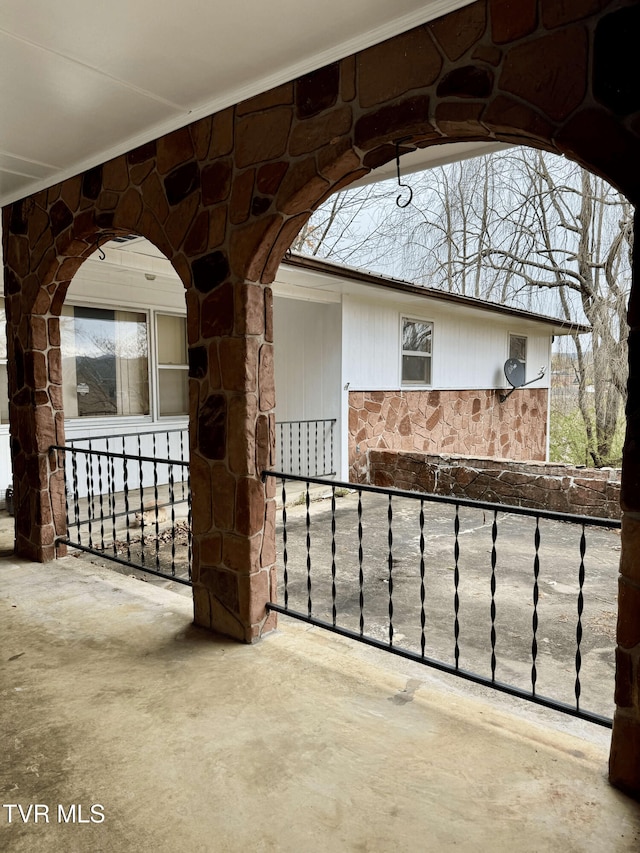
(37, 423)
(232, 402)
(624, 763)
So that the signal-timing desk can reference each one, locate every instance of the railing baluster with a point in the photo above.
(360, 560)
(285, 555)
(142, 520)
(422, 589)
(189, 533)
(334, 611)
(332, 468)
(88, 474)
(182, 477)
(534, 618)
(494, 558)
(155, 504)
(125, 475)
(583, 548)
(62, 454)
(173, 521)
(315, 472)
(76, 498)
(113, 501)
(308, 524)
(456, 585)
(101, 504)
(390, 565)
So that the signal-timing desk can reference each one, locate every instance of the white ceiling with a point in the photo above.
(81, 82)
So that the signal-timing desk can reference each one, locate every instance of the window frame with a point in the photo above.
(411, 383)
(157, 366)
(94, 420)
(525, 338)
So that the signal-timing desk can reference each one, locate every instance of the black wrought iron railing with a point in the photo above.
(159, 444)
(128, 497)
(519, 600)
(129, 507)
(306, 447)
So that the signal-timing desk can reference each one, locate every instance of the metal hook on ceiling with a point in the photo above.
(400, 203)
(108, 235)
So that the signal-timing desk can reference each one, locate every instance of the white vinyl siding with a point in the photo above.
(469, 351)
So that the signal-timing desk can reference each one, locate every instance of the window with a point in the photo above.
(105, 366)
(173, 377)
(417, 337)
(518, 348)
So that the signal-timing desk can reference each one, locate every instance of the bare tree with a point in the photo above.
(520, 227)
(573, 237)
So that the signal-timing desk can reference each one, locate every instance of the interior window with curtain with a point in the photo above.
(105, 362)
(173, 373)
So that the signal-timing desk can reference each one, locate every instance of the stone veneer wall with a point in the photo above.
(562, 488)
(471, 423)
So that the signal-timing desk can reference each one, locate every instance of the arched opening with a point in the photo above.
(519, 228)
(372, 303)
(621, 772)
(124, 342)
(42, 386)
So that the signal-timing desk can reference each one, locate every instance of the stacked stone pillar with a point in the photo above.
(232, 443)
(34, 368)
(624, 765)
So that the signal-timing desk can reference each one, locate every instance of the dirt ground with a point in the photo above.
(513, 600)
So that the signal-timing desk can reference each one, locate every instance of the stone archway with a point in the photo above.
(223, 199)
(64, 232)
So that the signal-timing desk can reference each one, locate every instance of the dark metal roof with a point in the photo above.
(376, 280)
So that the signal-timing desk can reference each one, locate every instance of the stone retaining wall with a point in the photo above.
(472, 423)
(562, 488)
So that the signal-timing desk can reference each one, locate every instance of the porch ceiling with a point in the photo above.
(79, 85)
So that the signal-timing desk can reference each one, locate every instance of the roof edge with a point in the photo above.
(378, 280)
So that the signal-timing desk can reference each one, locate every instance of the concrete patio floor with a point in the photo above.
(304, 742)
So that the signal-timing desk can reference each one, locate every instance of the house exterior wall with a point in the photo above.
(307, 366)
(470, 347)
(460, 411)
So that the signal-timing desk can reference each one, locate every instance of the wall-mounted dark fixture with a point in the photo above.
(516, 373)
